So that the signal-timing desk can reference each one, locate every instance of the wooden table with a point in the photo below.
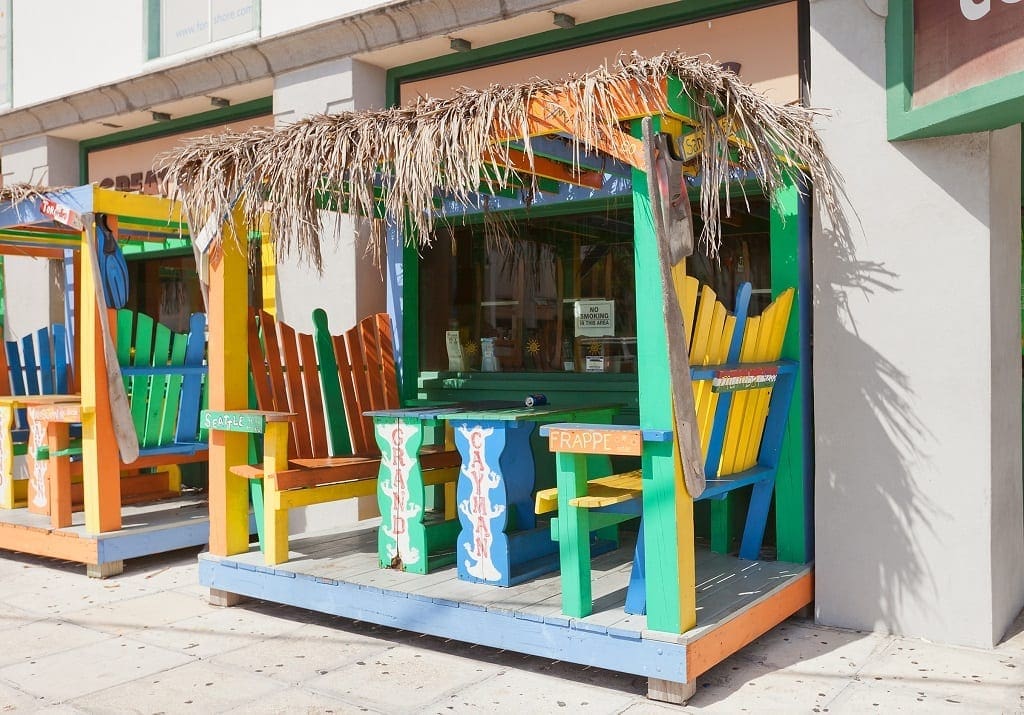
(49, 481)
(499, 542)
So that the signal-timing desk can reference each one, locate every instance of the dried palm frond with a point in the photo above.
(445, 146)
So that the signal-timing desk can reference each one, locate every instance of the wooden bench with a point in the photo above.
(165, 379)
(38, 364)
(312, 392)
(742, 393)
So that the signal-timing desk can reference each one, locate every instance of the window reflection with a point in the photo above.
(558, 293)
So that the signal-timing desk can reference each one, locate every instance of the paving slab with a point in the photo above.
(75, 672)
(217, 630)
(305, 654)
(44, 637)
(522, 691)
(200, 687)
(917, 674)
(152, 611)
(299, 701)
(402, 679)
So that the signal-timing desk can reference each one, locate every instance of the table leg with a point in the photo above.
(38, 481)
(58, 475)
(483, 503)
(519, 472)
(402, 537)
(6, 457)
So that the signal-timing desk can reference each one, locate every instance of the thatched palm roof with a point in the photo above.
(444, 146)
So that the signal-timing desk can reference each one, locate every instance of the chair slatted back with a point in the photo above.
(363, 362)
(164, 376)
(36, 365)
(286, 379)
(716, 337)
(762, 342)
(326, 380)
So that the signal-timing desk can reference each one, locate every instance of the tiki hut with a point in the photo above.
(395, 167)
(446, 147)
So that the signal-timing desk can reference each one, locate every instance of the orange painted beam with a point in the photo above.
(551, 169)
(711, 649)
(44, 542)
(557, 113)
(31, 252)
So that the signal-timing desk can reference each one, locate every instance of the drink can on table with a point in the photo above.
(536, 400)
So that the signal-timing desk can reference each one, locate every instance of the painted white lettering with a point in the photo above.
(977, 9)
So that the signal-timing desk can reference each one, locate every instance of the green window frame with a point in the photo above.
(992, 105)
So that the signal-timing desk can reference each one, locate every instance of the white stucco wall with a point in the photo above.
(109, 41)
(917, 403)
(49, 161)
(279, 16)
(51, 60)
(350, 286)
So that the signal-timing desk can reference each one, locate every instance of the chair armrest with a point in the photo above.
(249, 421)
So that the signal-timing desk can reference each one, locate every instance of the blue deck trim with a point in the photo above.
(128, 545)
(602, 648)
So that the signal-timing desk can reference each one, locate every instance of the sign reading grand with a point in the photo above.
(961, 44)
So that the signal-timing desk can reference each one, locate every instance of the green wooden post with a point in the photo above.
(574, 536)
(792, 499)
(669, 543)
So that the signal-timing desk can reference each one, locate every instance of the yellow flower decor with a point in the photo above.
(533, 346)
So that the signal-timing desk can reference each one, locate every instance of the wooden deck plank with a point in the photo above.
(725, 584)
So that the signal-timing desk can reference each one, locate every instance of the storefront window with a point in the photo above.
(558, 294)
(186, 24)
(512, 302)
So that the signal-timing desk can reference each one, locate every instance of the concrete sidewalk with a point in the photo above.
(147, 642)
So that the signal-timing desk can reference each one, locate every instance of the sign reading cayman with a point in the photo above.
(963, 44)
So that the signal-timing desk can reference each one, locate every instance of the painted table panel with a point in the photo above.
(499, 542)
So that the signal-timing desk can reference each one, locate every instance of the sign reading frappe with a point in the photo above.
(960, 44)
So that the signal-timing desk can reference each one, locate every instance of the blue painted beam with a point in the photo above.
(570, 640)
(26, 213)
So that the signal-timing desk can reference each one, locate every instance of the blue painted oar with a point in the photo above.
(113, 268)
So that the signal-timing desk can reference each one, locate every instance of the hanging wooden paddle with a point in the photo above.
(673, 229)
(120, 409)
(113, 268)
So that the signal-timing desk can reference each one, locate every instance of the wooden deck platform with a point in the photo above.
(337, 573)
(148, 528)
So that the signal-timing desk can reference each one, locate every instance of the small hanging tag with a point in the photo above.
(209, 231)
(60, 213)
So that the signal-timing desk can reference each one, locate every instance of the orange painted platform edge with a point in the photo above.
(46, 542)
(711, 649)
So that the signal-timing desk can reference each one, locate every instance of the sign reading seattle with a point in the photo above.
(960, 44)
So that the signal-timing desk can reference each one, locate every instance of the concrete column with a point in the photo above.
(351, 286)
(918, 504)
(34, 287)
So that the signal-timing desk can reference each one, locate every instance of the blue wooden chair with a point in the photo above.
(38, 364)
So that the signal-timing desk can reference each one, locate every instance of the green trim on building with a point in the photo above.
(609, 28)
(152, 29)
(988, 106)
(624, 25)
(234, 113)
